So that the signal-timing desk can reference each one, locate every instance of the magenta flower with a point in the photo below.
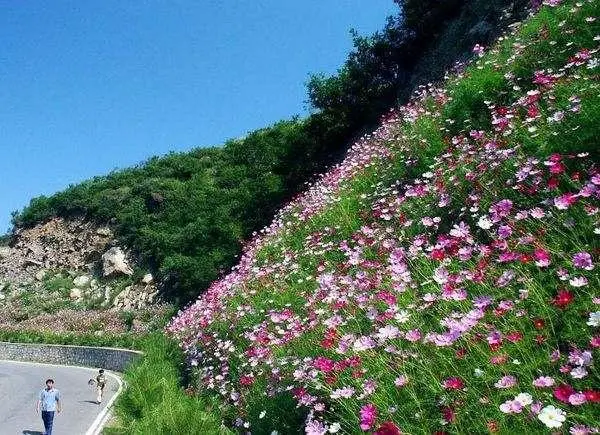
(454, 383)
(565, 201)
(368, 414)
(542, 258)
(323, 364)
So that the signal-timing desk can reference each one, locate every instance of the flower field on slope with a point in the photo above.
(445, 277)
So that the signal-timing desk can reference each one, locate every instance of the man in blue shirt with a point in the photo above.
(49, 402)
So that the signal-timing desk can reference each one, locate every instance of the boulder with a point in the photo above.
(40, 275)
(115, 262)
(104, 231)
(82, 281)
(76, 293)
(148, 278)
(4, 252)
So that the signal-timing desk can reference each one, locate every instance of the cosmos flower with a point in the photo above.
(594, 319)
(583, 260)
(552, 417)
(543, 382)
(368, 414)
(507, 381)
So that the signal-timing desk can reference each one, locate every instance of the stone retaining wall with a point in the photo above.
(99, 357)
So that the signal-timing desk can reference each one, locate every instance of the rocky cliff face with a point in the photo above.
(71, 269)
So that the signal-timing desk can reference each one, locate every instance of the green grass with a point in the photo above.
(154, 401)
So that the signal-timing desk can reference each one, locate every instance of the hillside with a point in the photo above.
(186, 214)
(444, 277)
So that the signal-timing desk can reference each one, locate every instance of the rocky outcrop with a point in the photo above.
(114, 262)
(75, 258)
(74, 244)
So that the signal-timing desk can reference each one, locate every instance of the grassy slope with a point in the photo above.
(395, 240)
(154, 402)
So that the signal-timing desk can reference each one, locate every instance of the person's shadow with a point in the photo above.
(32, 432)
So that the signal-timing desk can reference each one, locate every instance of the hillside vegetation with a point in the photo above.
(186, 214)
(444, 277)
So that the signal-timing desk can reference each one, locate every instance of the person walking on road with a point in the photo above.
(48, 403)
(100, 384)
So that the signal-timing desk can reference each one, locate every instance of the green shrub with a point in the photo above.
(154, 401)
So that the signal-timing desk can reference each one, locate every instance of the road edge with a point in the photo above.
(103, 417)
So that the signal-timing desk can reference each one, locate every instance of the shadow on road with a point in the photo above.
(88, 401)
(32, 432)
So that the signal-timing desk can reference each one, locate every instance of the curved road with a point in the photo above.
(20, 384)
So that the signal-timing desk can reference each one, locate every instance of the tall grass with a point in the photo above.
(154, 401)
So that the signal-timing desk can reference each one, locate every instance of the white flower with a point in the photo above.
(335, 427)
(484, 223)
(552, 416)
(344, 393)
(402, 316)
(524, 399)
(578, 281)
(388, 332)
(479, 373)
(579, 373)
(262, 414)
(594, 319)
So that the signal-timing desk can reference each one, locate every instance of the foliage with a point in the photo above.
(186, 214)
(154, 401)
(444, 277)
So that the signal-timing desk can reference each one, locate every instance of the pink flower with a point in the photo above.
(511, 407)
(565, 201)
(501, 209)
(323, 364)
(342, 393)
(536, 407)
(478, 50)
(368, 414)
(454, 383)
(542, 258)
(315, 427)
(580, 429)
(583, 260)
(504, 231)
(577, 399)
(413, 335)
(506, 382)
(401, 381)
(543, 382)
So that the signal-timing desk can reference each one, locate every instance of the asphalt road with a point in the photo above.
(20, 385)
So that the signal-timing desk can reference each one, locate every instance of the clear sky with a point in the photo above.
(89, 86)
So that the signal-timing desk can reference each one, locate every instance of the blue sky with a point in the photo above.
(90, 86)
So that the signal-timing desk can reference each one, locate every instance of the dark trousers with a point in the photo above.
(48, 418)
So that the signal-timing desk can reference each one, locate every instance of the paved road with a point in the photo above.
(20, 384)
